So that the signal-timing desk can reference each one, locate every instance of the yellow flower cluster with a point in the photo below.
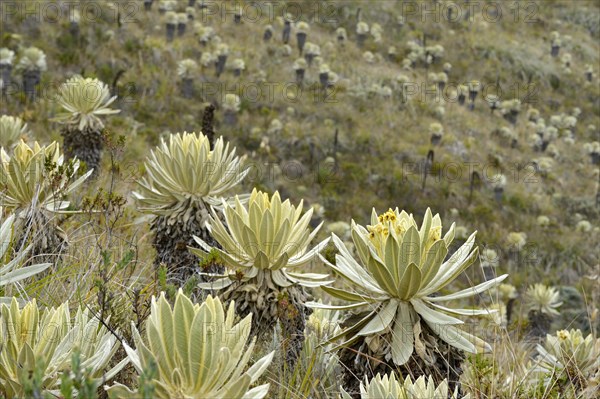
(399, 223)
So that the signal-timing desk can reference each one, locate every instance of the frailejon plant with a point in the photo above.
(50, 337)
(222, 53)
(572, 361)
(300, 66)
(362, 29)
(36, 180)
(447, 68)
(592, 149)
(341, 35)
(186, 69)
(191, 13)
(182, 19)
(311, 51)
(498, 182)
(32, 63)
(166, 5)
(204, 33)
(489, 263)
(10, 267)
(198, 351)
(302, 29)
(510, 110)
(542, 303)
(287, 28)
(207, 59)
(463, 90)
(184, 180)
(474, 88)
(493, 102)
(436, 52)
(589, 72)
(555, 43)
(397, 320)
(368, 57)
(84, 101)
(74, 20)
(506, 294)
(170, 25)
(237, 66)
(392, 53)
(237, 16)
(388, 387)
(376, 31)
(7, 58)
(231, 106)
(324, 72)
(437, 132)
(268, 33)
(12, 129)
(265, 248)
(441, 79)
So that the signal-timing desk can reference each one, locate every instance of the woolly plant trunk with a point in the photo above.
(436, 139)
(511, 117)
(361, 38)
(237, 19)
(595, 156)
(191, 3)
(301, 39)
(5, 71)
(554, 50)
(300, 76)
(309, 58)
(237, 72)
(270, 303)
(37, 228)
(230, 118)
(172, 236)
(589, 76)
(181, 29)
(287, 28)
(267, 35)
(187, 87)
(170, 32)
(473, 95)
(148, 5)
(498, 194)
(324, 79)
(461, 99)
(489, 272)
(86, 145)
(74, 29)
(30, 80)
(220, 64)
(539, 324)
(437, 359)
